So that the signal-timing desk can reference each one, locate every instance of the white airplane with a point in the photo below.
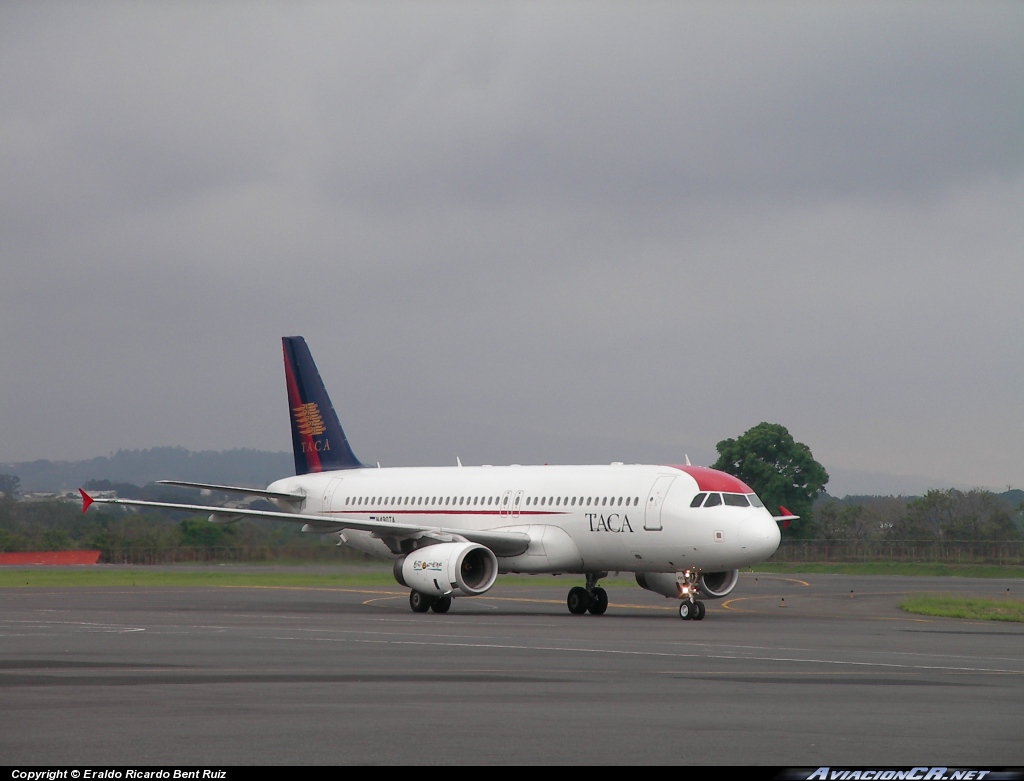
(684, 531)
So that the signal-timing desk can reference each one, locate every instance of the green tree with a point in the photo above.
(781, 470)
(957, 515)
(199, 532)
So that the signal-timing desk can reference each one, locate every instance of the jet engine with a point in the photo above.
(668, 584)
(715, 585)
(448, 568)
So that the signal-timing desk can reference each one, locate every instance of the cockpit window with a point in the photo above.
(713, 500)
(697, 500)
(736, 500)
(755, 501)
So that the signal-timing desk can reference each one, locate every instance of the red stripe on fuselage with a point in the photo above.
(294, 400)
(500, 513)
(712, 480)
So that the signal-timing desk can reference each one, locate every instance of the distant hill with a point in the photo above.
(1012, 498)
(245, 467)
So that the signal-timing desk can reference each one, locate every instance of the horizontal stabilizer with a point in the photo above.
(234, 489)
(786, 517)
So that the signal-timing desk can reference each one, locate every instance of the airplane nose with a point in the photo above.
(763, 537)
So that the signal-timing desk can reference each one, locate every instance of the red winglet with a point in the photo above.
(784, 510)
(86, 500)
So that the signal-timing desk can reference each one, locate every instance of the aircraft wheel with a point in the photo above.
(598, 602)
(699, 615)
(686, 611)
(578, 601)
(441, 604)
(419, 602)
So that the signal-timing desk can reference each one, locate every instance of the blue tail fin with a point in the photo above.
(318, 441)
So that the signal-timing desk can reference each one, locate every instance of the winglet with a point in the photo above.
(86, 500)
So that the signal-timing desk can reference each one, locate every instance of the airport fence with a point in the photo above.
(934, 551)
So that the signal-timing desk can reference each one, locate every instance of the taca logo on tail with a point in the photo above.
(318, 441)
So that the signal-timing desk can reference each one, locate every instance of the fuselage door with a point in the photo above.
(515, 504)
(655, 501)
(506, 507)
(329, 490)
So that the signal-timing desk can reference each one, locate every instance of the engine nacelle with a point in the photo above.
(448, 568)
(712, 585)
(668, 584)
(715, 585)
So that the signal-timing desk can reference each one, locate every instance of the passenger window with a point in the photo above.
(697, 500)
(713, 500)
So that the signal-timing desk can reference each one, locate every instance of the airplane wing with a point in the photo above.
(501, 543)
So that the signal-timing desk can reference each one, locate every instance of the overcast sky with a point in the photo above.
(516, 232)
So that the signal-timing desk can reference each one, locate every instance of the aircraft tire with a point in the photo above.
(419, 602)
(699, 615)
(685, 610)
(441, 605)
(598, 602)
(578, 601)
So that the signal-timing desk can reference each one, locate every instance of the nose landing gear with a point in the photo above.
(593, 598)
(690, 609)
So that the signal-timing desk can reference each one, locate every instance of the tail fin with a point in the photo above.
(318, 441)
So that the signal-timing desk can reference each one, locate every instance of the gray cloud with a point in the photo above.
(518, 233)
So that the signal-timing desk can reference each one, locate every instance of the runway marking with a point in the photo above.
(674, 655)
(715, 646)
(398, 595)
(37, 624)
(779, 577)
(483, 600)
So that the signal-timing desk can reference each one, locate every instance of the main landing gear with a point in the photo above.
(421, 603)
(593, 598)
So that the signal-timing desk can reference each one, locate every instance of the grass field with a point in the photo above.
(960, 607)
(922, 569)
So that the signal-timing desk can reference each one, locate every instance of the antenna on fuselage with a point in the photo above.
(687, 460)
(458, 460)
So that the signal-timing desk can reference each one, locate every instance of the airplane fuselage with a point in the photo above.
(620, 517)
